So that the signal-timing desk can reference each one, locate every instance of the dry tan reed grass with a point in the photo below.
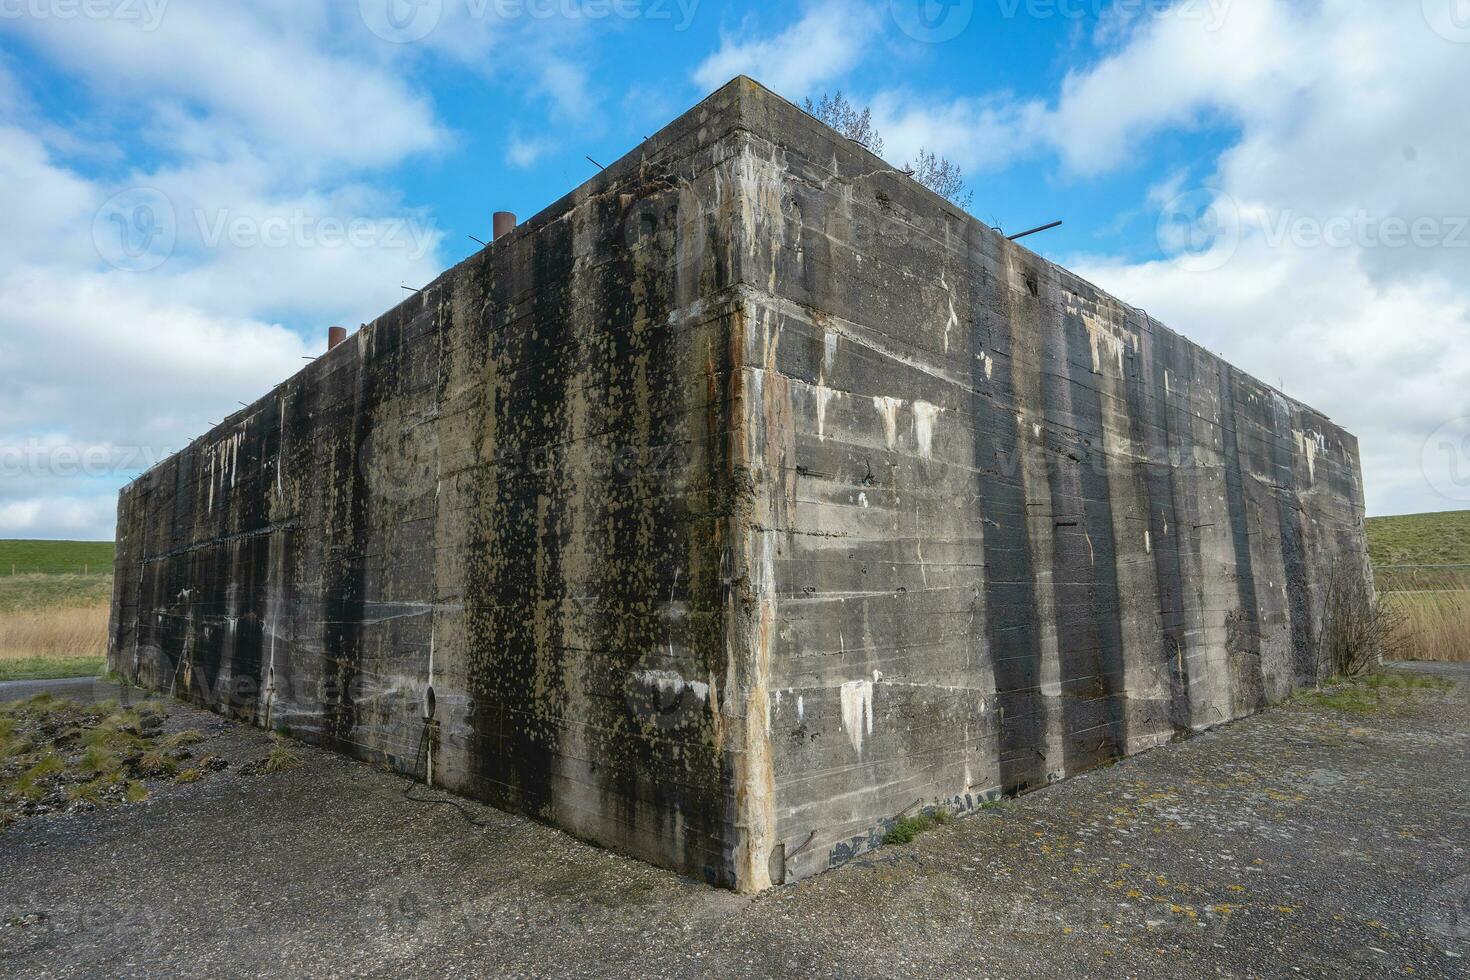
(58, 633)
(1435, 626)
(1433, 604)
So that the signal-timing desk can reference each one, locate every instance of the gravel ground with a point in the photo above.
(1301, 842)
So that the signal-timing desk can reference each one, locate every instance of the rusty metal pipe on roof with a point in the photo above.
(335, 336)
(505, 223)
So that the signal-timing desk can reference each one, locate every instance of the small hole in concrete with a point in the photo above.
(429, 703)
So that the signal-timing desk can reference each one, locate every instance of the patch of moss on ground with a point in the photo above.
(58, 755)
(1371, 692)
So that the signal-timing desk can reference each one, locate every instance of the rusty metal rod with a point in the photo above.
(804, 845)
(1054, 224)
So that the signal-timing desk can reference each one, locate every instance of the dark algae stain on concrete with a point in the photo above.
(744, 501)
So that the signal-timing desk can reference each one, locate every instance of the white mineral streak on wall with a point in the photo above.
(889, 408)
(1311, 444)
(924, 416)
(671, 685)
(954, 319)
(224, 462)
(857, 711)
(824, 395)
(1103, 340)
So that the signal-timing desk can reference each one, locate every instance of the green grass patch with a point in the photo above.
(99, 761)
(196, 772)
(29, 593)
(179, 740)
(281, 758)
(1402, 680)
(1420, 539)
(905, 830)
(56, 557)
(50, 668)
(1372, 692)
(57, 754)
(158, 764)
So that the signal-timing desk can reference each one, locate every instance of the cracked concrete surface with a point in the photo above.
(1299, 842)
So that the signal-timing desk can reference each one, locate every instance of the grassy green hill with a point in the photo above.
(1420, 539)
(53, 608)
(56, 557)
(30, 593)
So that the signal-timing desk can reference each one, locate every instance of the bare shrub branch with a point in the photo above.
(935, 172)
(940, 176)
(1356, 630)
(836, 111)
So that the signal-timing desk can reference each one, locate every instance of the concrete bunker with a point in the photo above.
(747, 497)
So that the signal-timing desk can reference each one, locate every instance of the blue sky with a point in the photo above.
(1281, 180)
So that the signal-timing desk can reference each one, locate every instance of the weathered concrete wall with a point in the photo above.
(512, 488)
(1013, 528)
(741, 500)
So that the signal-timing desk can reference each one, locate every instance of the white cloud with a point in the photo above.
(1344, 134)
(59, 517)
(524, 153)
(977, 134)
(266, 220)
(1172, 70)
(829, 40)
(269, 71)
(1342, 126)
(44, 206)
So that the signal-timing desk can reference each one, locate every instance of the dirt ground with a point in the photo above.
(1305, 842)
